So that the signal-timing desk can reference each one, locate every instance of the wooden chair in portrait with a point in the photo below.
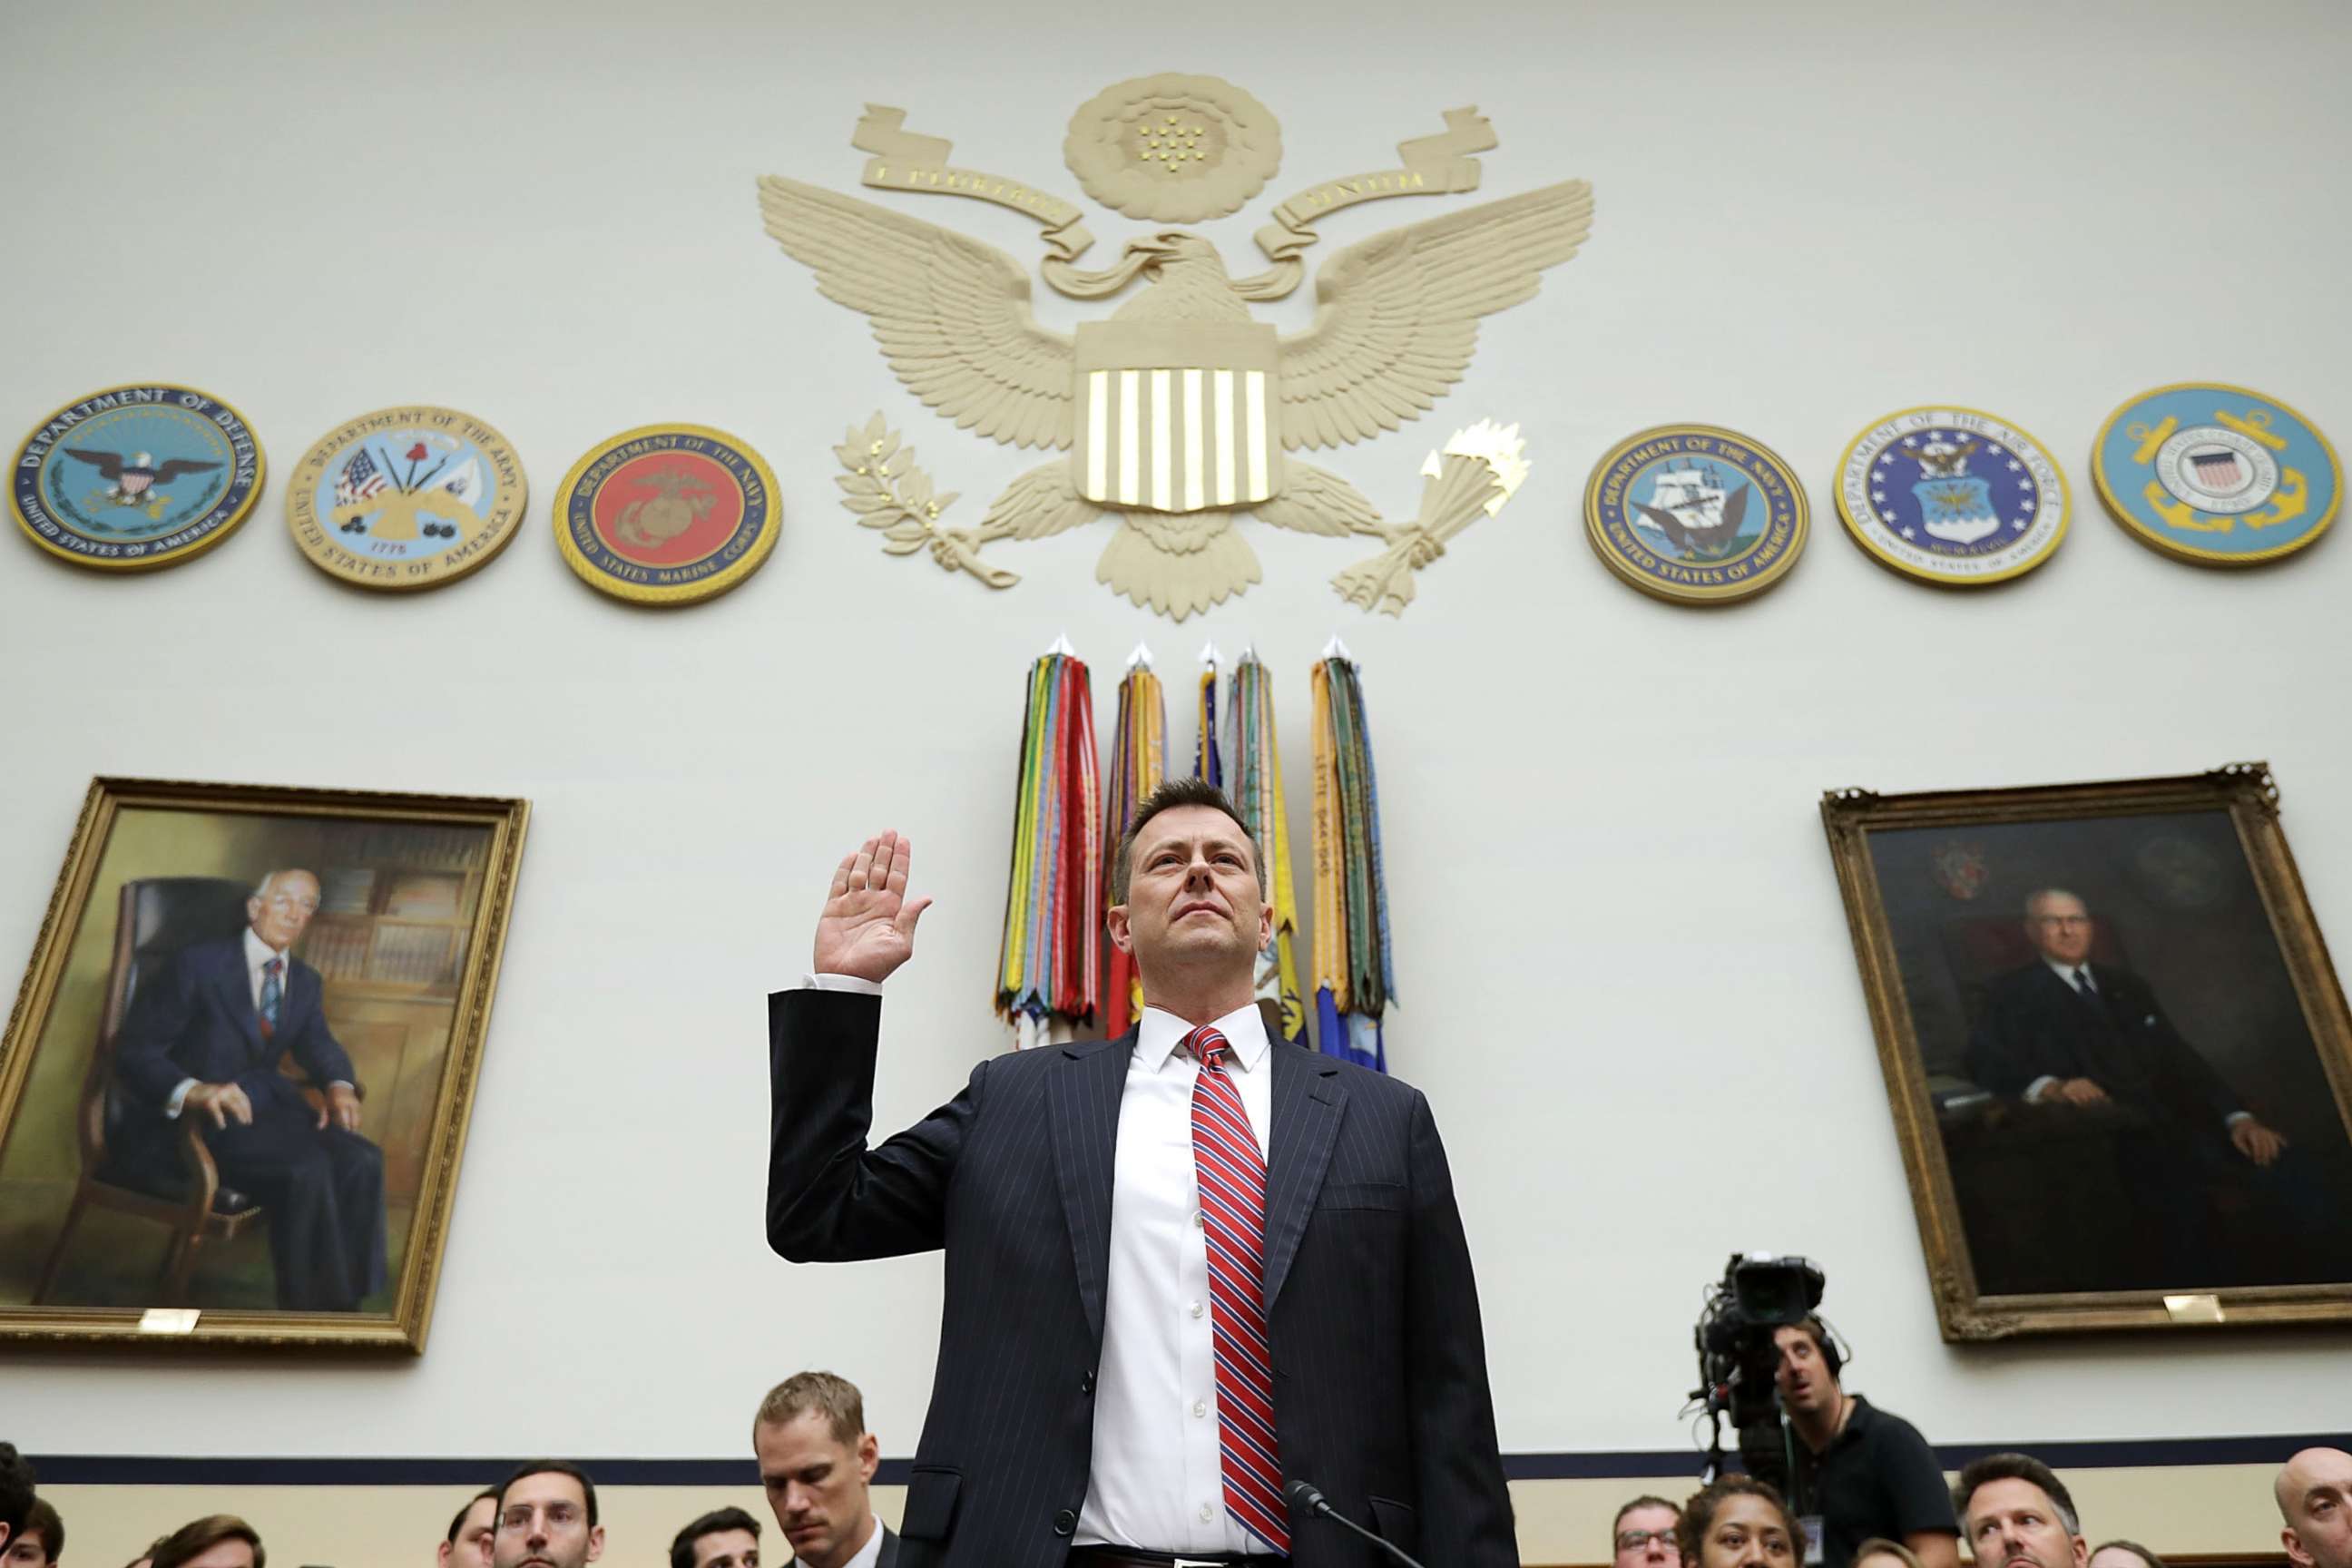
(157, 916)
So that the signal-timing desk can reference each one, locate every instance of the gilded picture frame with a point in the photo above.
(2098, 1008)
(235, 1084)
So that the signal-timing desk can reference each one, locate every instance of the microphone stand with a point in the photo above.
(1306, 1494)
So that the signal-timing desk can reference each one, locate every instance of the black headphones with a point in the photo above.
(1834, 1347)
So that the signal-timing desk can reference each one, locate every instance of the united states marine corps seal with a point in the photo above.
(406, 498)
(1952, 495)
(136, 476)
(667, 514)
(1696, 514)
(2216, 474)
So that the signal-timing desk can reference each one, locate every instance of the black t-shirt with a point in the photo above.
(1877, 1477)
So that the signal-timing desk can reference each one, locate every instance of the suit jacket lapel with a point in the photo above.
(1082, 1097)
(1307, 1101)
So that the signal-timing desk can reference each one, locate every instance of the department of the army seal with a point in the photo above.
(1952, 495)
(411, 497)
(136, 476)
(1696, 514)
(2216, 474)
(667, 514)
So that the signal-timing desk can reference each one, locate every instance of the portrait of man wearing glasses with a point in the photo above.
(2088, 1039)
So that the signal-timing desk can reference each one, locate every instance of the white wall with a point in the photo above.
(1627, 978)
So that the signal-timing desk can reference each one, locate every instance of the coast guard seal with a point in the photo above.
(667, 514)
(406, 498)
(1696, 514)
(2216, 474)
(1952, 495)
(136, 476)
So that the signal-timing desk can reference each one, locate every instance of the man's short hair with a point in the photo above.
(2005, 1468)
(2135, 1548)
(457, 1521)
(43, 1522)
(544, 1467)
(199, 1536)
(1894, 1549)
(681, 1550)
(1824, 1343)
(2039, 894)
(1645, 1501)
(1698, 1514)
(1171, 793)
(15, 1488)
(834, 1398)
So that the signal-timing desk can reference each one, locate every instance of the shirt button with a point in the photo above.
(1207, 1513)
(1200, 1408)
(1196, 1309)
(1201, 1218)
(1087, 1383)
(1065, 1522)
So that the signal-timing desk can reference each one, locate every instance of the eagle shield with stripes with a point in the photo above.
(1179, 413)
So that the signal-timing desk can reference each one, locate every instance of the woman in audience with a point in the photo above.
(1880, 1552)
(1740, 1523)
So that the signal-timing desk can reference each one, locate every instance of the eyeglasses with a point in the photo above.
(1635, 1539)
(558, 1516)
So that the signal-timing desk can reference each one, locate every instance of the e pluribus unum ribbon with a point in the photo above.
(1471, 476)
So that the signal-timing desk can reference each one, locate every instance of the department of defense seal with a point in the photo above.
(1952, 495)
(1696, 514)
(404, 498)
(667, 514)
(136, 476)
(2216, 474)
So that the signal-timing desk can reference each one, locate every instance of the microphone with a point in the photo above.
(1304, 1494)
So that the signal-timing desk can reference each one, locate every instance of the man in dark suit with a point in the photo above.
(816, 1463)
(205, 1037)
(2064, 1032)
(1183, 1267)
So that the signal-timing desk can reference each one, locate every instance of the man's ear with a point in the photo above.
(595, 1543)
(1121, 937)
(1264, 924)
(869, 1457)
(2295, 1550)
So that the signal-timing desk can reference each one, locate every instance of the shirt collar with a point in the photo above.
(2065, 972)
(1157, 1037)
(867, 1555)
(258, 951)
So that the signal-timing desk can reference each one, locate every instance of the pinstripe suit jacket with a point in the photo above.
(1380, 1363)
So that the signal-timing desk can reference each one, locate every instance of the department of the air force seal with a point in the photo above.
(668, 514)
(1952, 495)
(2216, 474)
(136, 476)
(1696, 514)
(406, 498)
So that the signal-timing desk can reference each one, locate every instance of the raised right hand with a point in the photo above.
(867, 929)
(221, 1101)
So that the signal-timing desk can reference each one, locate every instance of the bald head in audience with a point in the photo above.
(2314, 1499)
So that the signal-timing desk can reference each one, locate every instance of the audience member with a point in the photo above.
(1740, 1522)
(723, 1538)
(215, 1541)
(1643, 1535)
(1861, 1471)
(147, 1558)
(547, 1518)
(16, 1493)
(468, 1542)
(2124, 1554)
(1880, 1552)
(42, 1541)
(817, 1460)
(2314, 1499)
(2016, 1513)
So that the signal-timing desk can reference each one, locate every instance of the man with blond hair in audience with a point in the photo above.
(2314, 1499)
(817, 1462)
(215, 1541)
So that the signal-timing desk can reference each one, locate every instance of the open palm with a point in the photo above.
(867, 929)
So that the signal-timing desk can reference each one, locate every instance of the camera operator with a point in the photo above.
(1861, 1472)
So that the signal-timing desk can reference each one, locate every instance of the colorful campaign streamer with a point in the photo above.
(1138, 762)
(1048, 974)
(1352, 982)
(1206, 761)
(1254, 785)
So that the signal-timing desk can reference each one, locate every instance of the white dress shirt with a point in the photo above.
(1157, 1481)
(258, 955)
(2068, 973)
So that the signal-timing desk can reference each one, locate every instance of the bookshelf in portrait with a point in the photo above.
(235, 1087)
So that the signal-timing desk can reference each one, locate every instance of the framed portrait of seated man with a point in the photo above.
(2118, 1053)
(235, 1087)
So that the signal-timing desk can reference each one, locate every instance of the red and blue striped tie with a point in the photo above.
(1232, 1212)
